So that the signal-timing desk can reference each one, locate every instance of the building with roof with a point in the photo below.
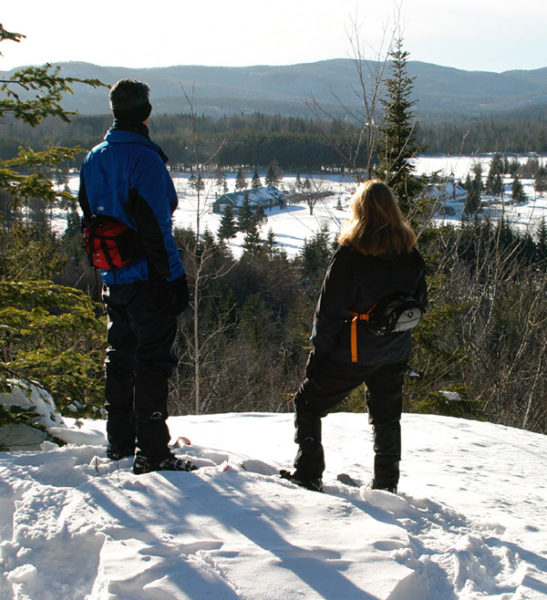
(267, 197)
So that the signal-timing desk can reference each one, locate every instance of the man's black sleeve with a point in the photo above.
(150, 235)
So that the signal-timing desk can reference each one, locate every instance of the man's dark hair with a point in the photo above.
(129, 100)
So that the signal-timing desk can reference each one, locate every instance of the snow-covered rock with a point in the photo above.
(45, 424)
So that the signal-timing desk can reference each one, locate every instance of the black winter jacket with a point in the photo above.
(354, 282)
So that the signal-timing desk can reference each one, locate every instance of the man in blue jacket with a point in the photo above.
(125, 178)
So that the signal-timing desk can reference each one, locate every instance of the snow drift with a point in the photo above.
(468, 523)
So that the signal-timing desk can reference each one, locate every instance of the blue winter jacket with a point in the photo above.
(125, 177)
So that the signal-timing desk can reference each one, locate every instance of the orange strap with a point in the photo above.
(357, 317)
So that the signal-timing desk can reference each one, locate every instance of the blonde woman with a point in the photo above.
(377, 256)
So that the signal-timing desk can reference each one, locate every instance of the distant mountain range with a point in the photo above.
(442, 92)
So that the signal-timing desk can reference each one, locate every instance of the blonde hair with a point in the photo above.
(377, 225)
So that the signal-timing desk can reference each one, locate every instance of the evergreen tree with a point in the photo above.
(467, 184)
(271, 243)
(241, 182)
(514, 167)
(260, 214)
(497, 187)
(220, 178)
(206, 242)
(540, 180)
(227, 228)
(529, 168)
(397, 142)
(73, 224)
(272, 178)
(496, 164)
(493, 181)
(315, 253)
(49, 333)
(517, 191)
(477, 179)
(298, 182)
(255, 182)
(541, 243)
(472, 200)
(246, 215)
(251, 242)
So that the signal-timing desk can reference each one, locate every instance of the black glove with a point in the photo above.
(178, 290)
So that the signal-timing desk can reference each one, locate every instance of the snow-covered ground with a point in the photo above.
(468, 524)
(294, 224)
(524, 217)
(459, 166)
(291, 225)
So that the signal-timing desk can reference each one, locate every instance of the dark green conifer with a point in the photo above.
(255, 182)
(241, 182)
(246, 215)
(272, 178)
(517, 191)
(397, 140)
(227, 228)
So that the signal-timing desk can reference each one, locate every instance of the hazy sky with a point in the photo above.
(493, 35)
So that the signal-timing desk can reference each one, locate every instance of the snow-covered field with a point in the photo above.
(459, 166)
(524, 217)
(294, 224)
(291, 225)
(468, 524)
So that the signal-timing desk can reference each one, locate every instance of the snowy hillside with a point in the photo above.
(469, 522)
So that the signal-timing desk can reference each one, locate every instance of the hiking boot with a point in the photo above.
(114, 453)
(170, 463)
(315, 484)
(386, 488)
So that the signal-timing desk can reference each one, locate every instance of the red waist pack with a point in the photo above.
(109, 244)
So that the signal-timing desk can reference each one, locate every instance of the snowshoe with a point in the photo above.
(315, 485)
(373, 485)
(142, 464)
(114, 453)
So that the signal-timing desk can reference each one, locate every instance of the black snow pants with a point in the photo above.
(139, 361)
(326, 384)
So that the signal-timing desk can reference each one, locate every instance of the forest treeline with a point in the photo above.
(482, 338)
(292, 142)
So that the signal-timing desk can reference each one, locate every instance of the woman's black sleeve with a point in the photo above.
(334, 302)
